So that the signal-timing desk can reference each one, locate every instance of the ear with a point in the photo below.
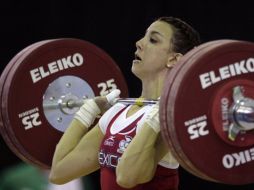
(173, 59)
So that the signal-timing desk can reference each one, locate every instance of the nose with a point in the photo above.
(139, 44)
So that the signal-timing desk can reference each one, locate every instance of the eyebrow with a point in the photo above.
(155, 33)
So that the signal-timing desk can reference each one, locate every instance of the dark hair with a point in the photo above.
(185, 37)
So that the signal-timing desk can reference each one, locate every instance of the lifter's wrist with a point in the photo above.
(152, 118)
(88, 113)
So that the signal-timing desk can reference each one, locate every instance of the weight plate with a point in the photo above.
(190, 56)
(31, 76)
(4, 132)
(189, 110)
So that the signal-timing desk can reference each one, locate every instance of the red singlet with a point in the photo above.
(119, 131)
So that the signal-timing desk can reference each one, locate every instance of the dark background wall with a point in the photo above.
(115, 27)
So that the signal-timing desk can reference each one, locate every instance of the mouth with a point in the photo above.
(137, 59)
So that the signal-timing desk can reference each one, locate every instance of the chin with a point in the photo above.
(135, 72)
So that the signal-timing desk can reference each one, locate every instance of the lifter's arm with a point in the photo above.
(76, 154)
(139, 161)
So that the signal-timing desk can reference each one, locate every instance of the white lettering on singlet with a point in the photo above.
(70, 61)
(108, 160)
(242, 67)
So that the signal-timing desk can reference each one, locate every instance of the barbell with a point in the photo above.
(206, 107)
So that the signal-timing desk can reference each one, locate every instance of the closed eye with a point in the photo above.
(153, 41)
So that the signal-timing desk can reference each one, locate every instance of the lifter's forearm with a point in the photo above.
(139, 161)
(69, 140)
(76, 154)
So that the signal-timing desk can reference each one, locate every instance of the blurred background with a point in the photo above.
(115, 26)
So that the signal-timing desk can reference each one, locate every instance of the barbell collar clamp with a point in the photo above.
(241, 113)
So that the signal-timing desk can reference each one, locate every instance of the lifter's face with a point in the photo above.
(153, 50)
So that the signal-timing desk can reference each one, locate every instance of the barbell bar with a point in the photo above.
(241, 112)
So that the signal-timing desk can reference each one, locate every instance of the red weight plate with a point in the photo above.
(190, 56)
(31, 76)
(189, 106)
(4, 74)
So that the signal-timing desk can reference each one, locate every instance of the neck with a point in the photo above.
(152, 86)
